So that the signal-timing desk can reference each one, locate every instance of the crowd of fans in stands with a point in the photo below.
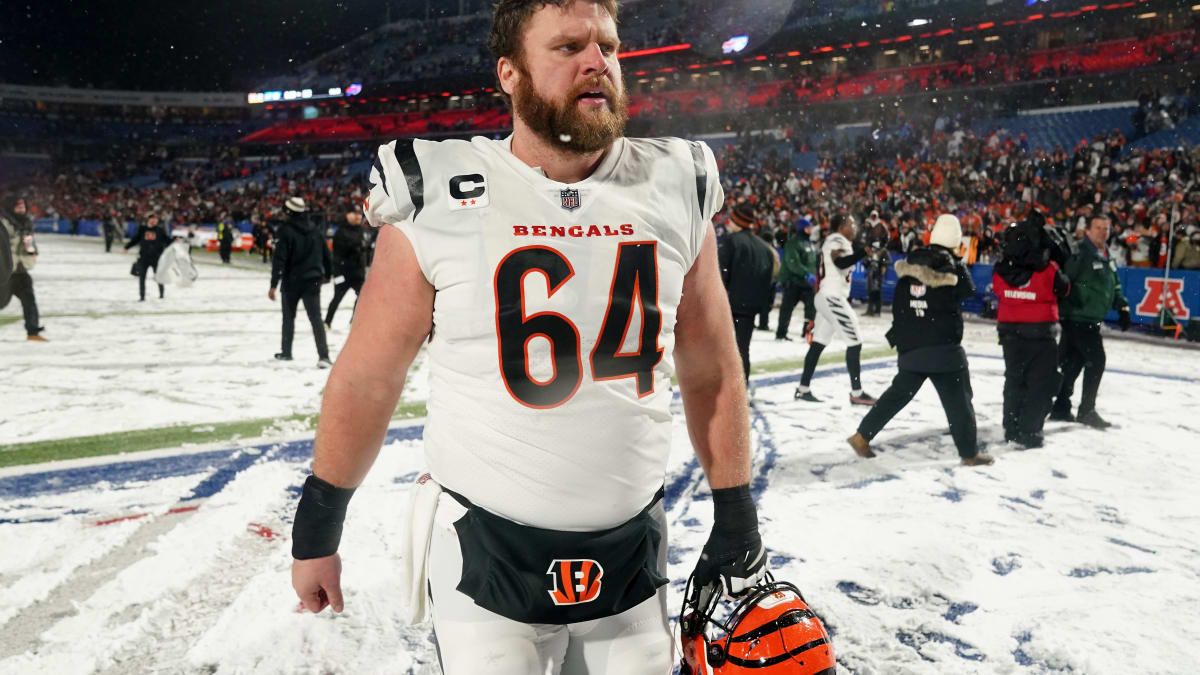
(895, 181)
(988, 181)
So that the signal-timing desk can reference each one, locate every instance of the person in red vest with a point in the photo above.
(1028, 283)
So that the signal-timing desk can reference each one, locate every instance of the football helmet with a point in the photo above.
(770, 630)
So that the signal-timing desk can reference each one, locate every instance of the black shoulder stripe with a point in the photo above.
(412, 173)
(378, 166)
(701, 173)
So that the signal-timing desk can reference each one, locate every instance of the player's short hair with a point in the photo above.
(1092, 220)
(510, 16)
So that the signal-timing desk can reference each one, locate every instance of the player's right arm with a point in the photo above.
(392, 321)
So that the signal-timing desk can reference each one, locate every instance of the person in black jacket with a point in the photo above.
(748, 267)
(1029, 283)
(302, 262)
(927, 329)
(113, 230)
(151, 239)
(20, 255)
(225, 234)
(349, 262)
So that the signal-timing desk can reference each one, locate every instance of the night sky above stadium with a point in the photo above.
(180, 45)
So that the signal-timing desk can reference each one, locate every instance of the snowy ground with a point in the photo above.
(1081, 557)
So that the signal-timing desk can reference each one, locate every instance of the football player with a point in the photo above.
(560, 277)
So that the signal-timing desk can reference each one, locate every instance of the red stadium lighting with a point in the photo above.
(862, 44)
(848, 45)
(904, 38)
(885, 41)
(968, 29)
(1075, 13)
(666, 70)
(695, 66)
(1089, 8)
(986, 25)
(726, 62)
(825, 49)
(926, 35)
(760, 58)
(1058, 15)
(944, 31)
(793, 53)
(656, 50)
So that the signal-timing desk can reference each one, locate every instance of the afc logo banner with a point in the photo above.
(574, 582)
(468, 191)
(1160, 292)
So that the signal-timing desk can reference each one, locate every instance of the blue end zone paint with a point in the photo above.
(1004, 565)
(135, 470)
(225, 464)
(958, 609)
(1118, 542)
(918, 639)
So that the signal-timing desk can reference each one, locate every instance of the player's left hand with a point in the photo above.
(734, 556)
(271, 294)
(734, 563)
(1124, 319)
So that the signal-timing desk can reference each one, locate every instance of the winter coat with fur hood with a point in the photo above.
(927, 323)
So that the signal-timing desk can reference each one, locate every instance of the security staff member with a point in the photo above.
(748, 267)
(225, 231)
(1095, 288)
(798, 264)
(927, 330)
(1029, 283)
(151, 239)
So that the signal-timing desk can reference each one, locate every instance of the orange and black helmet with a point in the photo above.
(771, 631)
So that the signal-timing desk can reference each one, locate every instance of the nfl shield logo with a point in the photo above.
(570, 199)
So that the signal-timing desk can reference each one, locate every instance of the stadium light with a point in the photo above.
(917, 22)
(1148, 15)
(991, 38)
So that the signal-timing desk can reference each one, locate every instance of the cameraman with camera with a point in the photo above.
(1029, 283)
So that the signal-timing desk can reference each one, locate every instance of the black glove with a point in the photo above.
(1124, 320)
(733, 557)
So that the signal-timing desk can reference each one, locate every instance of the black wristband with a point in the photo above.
(317, 529)
(734, 511)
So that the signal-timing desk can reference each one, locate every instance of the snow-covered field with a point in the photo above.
(1081, 557)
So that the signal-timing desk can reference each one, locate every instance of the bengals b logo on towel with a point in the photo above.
(574, 582)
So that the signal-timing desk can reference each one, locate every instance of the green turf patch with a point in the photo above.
(176, 436)
(826, 359)
(163, 437)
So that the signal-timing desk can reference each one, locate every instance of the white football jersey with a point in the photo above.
(553, 319)
(830, 279)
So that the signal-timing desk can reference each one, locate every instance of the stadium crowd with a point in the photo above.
(895, 181)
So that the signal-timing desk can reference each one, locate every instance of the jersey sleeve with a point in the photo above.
(389, 201)
(710, 196)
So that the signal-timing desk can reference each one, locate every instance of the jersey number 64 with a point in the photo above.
(635, 277)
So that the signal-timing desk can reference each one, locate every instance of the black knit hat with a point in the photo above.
(743, 216)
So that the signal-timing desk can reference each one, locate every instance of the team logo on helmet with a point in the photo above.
(570, 199)
(574, 582)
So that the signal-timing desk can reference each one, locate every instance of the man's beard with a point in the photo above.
(563, 124)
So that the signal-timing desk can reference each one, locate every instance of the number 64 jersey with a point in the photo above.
(553, 318)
